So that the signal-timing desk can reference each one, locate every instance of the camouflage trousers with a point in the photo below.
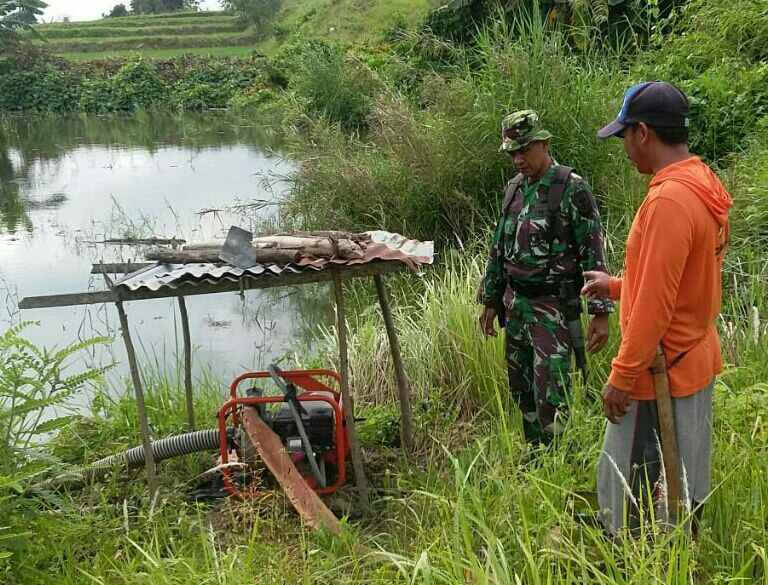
(538, 354)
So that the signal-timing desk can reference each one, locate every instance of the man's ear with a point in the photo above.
(644, 132)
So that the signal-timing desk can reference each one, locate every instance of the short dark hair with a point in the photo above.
(671, 136)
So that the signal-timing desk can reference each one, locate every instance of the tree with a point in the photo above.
(117, 11)
(258, 12)
(160, 6)
(14, 18)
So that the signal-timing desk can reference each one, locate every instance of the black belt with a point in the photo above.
(534, 290)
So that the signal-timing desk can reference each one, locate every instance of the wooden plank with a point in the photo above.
(306, 501)
(244, 283)
(354, 445)
(120, 267)
(67, 300)
(403, 386)
(146, 442)
(187, 364)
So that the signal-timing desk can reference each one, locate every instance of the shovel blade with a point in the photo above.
(238, 249)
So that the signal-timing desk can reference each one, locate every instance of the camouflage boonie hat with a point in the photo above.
(520, 129)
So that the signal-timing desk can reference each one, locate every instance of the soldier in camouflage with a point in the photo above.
(546, 237)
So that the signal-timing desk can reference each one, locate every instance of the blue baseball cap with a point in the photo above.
(657, 103)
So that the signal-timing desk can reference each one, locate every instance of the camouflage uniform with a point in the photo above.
(538, 344)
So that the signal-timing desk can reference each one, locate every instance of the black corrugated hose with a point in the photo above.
(175, 446)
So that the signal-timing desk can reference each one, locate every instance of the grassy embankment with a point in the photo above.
(221, 34)
(152, 35)
(473, 506)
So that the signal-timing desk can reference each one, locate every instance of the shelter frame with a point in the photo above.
(331, 273)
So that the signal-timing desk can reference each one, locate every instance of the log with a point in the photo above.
(296, 238)
(333, 234)
(321, 247)
(212, 256)
(285, 250)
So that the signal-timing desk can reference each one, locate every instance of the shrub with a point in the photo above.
(34, 382)
(44, 88)
(717, 54)
(432, 169)
(135, 86)
(332, 88)
(211, 85)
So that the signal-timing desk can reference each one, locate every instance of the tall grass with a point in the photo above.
(432, 168)
(475, 505)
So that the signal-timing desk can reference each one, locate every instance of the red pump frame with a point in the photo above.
(308, 381)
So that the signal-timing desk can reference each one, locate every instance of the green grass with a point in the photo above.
(231, 51)
(474, 502)
(94, 32)
(169, 19)
(350, 20)
(150, 42)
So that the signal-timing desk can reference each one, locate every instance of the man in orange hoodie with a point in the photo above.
(670, 296)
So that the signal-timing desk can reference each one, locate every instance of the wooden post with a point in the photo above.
(187, 364)
(354, 444)
(149, 456)
(403, 386)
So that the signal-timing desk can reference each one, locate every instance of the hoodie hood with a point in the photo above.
(700, 179)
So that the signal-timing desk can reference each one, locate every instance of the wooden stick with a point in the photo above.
(187, 364)
(403, 386)
(143, 241)
(119, 267)
(354, 444)
(667, 432)
(146, 442)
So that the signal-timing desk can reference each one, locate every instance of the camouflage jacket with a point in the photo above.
(520, 249)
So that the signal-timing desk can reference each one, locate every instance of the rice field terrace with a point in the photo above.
(195, 31)
(225, 34)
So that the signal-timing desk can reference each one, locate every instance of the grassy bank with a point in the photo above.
(473, 506)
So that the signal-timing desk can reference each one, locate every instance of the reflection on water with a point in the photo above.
(67, 184)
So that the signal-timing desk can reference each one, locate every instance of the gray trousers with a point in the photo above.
(630, 482)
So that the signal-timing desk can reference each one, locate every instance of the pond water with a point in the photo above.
(67, 184)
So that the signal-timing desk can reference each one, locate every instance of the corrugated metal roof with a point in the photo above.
(411, 252)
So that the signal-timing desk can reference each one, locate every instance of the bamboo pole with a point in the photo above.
(146, 442)
(354, 444)
(187, 364)
(403, 386)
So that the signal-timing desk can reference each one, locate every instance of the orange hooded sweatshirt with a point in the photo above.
(671, 289)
